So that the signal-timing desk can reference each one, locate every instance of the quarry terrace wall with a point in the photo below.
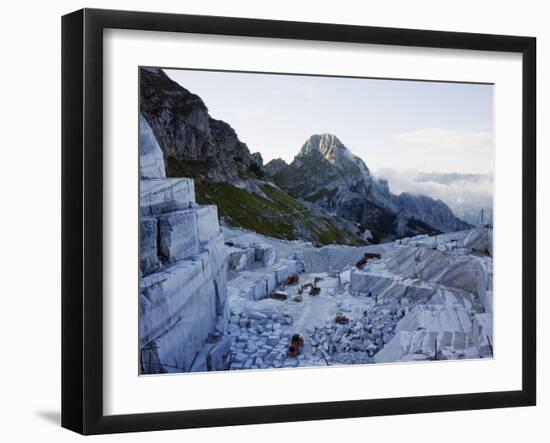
(184, 310)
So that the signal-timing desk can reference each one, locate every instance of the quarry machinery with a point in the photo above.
(366, 257)
(296, 343)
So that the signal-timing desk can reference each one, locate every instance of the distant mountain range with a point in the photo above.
(327, 174)
(326, 195)
(468, 195)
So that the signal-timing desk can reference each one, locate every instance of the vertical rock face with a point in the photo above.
(185, 131)
(183, 291)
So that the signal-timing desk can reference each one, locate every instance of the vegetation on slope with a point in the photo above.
(415, 227)
(275, 213)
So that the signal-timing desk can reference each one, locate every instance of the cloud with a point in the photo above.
(452, 178)
(449, 139)
(466, 194)
(438, 149)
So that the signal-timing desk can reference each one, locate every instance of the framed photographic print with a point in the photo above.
(269, 221)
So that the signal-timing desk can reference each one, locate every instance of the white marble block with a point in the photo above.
(207, 222)
(178, 235)
(148, 254)
(264, 254)
(218, 356)
(184, 290)
(241, 287)
(151, 159)
(281, 273)
(217, 254)
(162, 195)
(179, 346)
(240, 259)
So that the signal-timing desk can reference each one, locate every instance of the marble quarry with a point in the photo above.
(220, 300)
(443, 291)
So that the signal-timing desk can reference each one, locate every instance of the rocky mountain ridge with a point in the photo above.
(224, 170)
(185, 131)
(326, 173)
(274, 166)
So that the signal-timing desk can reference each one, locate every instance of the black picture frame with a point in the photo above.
(82, 218)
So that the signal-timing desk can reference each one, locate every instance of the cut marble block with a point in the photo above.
(215, 248)
(241, 287)
(264, 254)
(485, 285)
(382, 284)
(151, 159)
(281, 273)
(445, 338)
(483, 327)
(240, 259)
(182, 292)
(459, 340)
(162, 195)
(271, 282)
(179, 346)
(453, 320)
(220, 292)
(263, 282)
(183, 349)
(199, 365)
(399, 346)
(207, 222)
(294, 266)
(178, 235)
(218, 355)
(419, 345)
(480, 239)
(148, 260)
(438, 267)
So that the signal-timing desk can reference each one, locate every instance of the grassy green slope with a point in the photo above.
(277, 214)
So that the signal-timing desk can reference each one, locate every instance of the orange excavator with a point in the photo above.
(296, 343)
(292, 279)
(366, 257)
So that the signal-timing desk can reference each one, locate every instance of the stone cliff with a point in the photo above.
(185, 132)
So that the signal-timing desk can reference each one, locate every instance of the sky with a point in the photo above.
(399, 128)
(443, 127)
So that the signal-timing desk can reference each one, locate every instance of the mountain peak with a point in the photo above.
(327, 149)
(328, 145)
(275, 165)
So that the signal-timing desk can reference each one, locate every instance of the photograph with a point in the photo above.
(301, 220)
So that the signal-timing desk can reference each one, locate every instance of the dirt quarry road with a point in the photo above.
(323, 259)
